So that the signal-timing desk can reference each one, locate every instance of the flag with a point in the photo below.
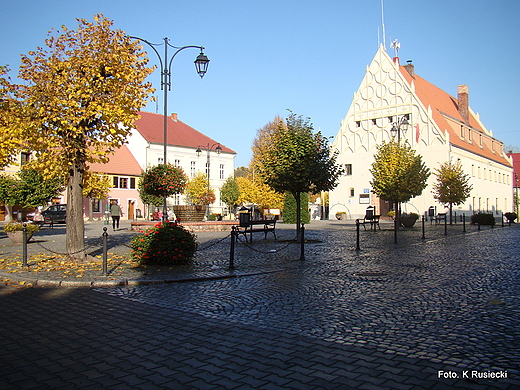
(417, 133)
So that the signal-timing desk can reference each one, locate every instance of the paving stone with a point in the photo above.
(313, 323)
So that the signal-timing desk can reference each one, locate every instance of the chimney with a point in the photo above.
(410, 68)
(463, 102)
(396, 61)
(174, 116)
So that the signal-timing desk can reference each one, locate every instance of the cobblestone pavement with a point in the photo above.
(423, 314)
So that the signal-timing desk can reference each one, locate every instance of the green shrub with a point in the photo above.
(17, 226)
(215, 217)
(165, 244)
(483, 219)
(289, 208)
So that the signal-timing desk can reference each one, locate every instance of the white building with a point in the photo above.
(442, 128)
(147, 146)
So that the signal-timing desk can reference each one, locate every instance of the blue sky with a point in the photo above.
(308, 56)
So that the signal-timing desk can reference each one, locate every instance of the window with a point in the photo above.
(473, 170)
(122, 182)
(160, 160)
(193, 168)
(351, 192)
(207, 170)
(221, 172)
(348, 169)
(24, 158)
(96, 205)
(177, 163)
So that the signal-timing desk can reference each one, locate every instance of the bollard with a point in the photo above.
(105, 250)
(232, 249)
(479, 224)
(423, 236)
(302, 243)
(455, 218)
(464, 223)
(24, 244)
(502, 219)
(446, 225)
(357, 235)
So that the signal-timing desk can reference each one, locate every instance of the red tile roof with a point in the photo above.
(443, 105)
(122, 162)
(151, 127)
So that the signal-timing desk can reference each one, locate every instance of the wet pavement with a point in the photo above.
(433, 313)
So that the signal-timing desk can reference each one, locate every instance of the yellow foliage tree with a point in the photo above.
(10, 139)
(261, 194)
(262, 142)
(197, 190)
(81, 97)
(95, 186)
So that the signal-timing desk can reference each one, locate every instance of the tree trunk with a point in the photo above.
(297, 198)
(75, 239)
(451, 219)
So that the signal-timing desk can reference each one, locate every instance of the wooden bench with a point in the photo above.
(372, 220)
(262, 225)
(438, 218)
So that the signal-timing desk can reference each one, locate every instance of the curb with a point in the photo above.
(129, 282)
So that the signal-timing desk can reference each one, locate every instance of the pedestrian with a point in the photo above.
(116, 213)
(171, 215)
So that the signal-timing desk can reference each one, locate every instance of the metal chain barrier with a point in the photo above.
(87, 247)
(265, 252)
(213, 244)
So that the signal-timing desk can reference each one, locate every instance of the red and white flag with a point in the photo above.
(417, 133)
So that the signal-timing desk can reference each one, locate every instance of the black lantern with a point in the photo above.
(201, 64)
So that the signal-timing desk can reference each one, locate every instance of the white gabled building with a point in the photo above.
(147, 146)
(442, 128)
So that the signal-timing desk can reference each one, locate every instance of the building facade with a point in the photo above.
(214, 159)
(441, 128)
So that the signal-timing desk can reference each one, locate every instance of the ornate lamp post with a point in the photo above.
(398, 126)
(208, 149)
(401, 124)
(165, 64)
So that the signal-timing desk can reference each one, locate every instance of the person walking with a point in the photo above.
(116, 213)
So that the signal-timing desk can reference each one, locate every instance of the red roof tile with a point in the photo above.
(151, 127)
(444, 105)
(122, 162)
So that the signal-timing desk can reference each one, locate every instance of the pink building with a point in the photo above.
(124, 172)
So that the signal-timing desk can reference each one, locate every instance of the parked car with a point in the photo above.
(55, 214)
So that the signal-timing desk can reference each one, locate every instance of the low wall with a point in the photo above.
(210, 226)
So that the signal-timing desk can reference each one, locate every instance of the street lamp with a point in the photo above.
(208, 149)
(398, 126)
(165, 63)
(401, 124)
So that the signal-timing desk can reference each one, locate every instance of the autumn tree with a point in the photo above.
(398, 174)
(229, 192)
(295, 159)
(10, 135)
(81, 96)
(95, 186)
(452, 186)
(198, 191)
(259, 193)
